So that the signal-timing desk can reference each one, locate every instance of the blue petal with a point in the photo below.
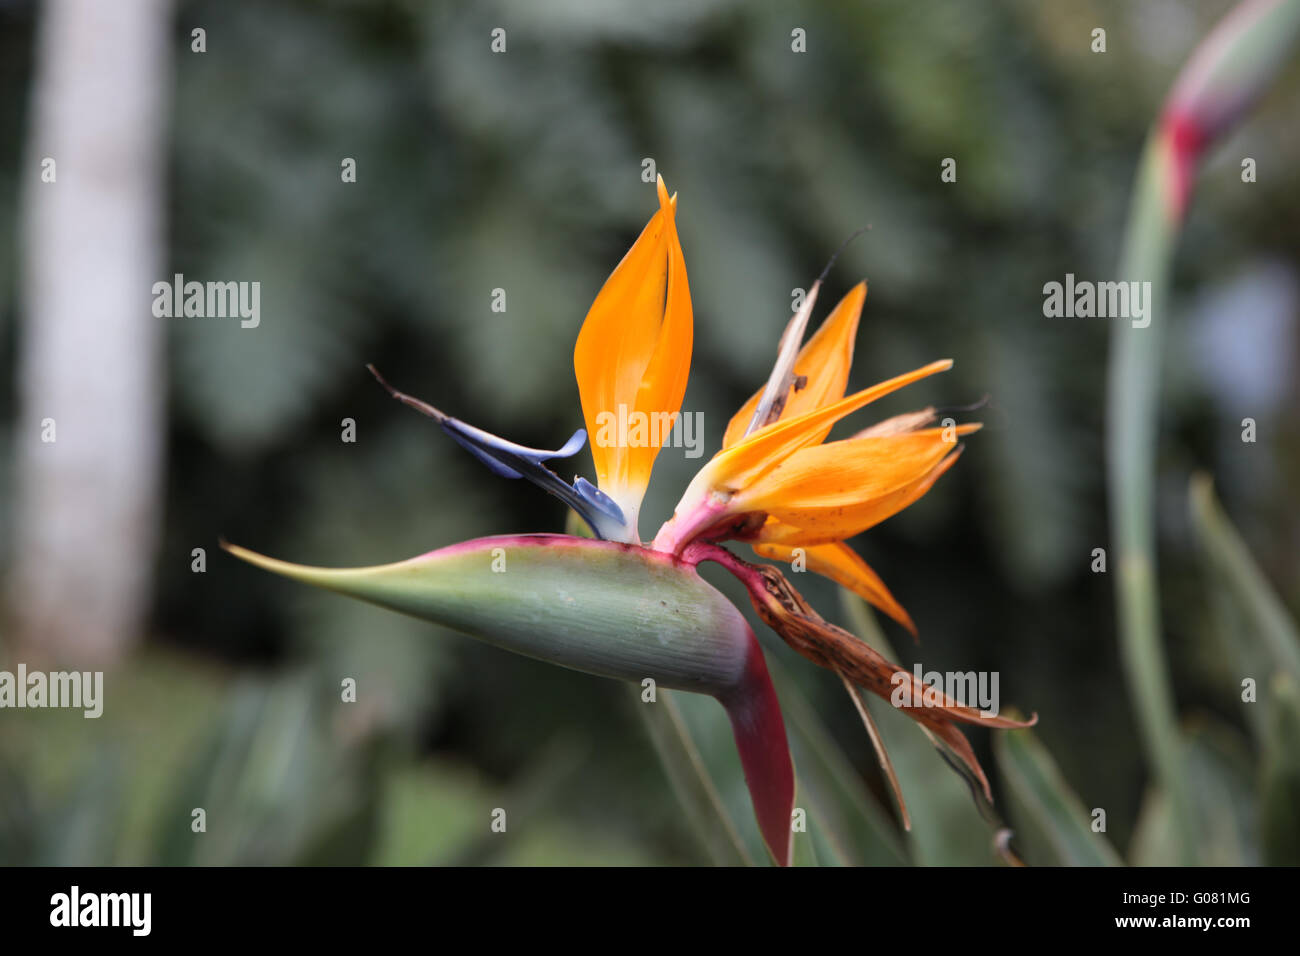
(572, 446)
(495, 466)
(509, 460)
(492, 444)
(598, 498)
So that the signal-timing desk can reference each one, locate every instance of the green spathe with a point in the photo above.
(600, 607)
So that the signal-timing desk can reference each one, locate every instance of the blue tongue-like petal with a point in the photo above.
(494, 466)
(496, 452)
(572, 446)
(509, 460)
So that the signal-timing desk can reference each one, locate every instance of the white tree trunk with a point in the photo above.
(87, 504)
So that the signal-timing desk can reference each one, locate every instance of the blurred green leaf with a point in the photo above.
(1052, 826)
(948, 827)
(675, 737)
(1222, 782)
(83, 825)
(116, 771)
(18, 817)
(1241, 591)
(1279, 784)
(528, 801)
(429, 813)
(805, 843)
(845, 821)
(272, 778)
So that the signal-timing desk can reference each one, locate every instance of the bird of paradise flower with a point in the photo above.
(614, 606)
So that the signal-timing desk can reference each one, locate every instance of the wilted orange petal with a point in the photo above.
(824, 361)
(841, 564)
(783, 609)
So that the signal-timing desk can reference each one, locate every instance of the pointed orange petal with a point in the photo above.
(846, 473)
(633, 356)
(824, 361)
(810, 526)
(738, 466)
(663, 385)
(841, 564)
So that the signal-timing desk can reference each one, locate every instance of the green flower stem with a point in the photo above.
(1216, 89)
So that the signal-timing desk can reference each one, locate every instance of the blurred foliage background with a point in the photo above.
(522, 171)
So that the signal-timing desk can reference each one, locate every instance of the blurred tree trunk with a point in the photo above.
(91, 385)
